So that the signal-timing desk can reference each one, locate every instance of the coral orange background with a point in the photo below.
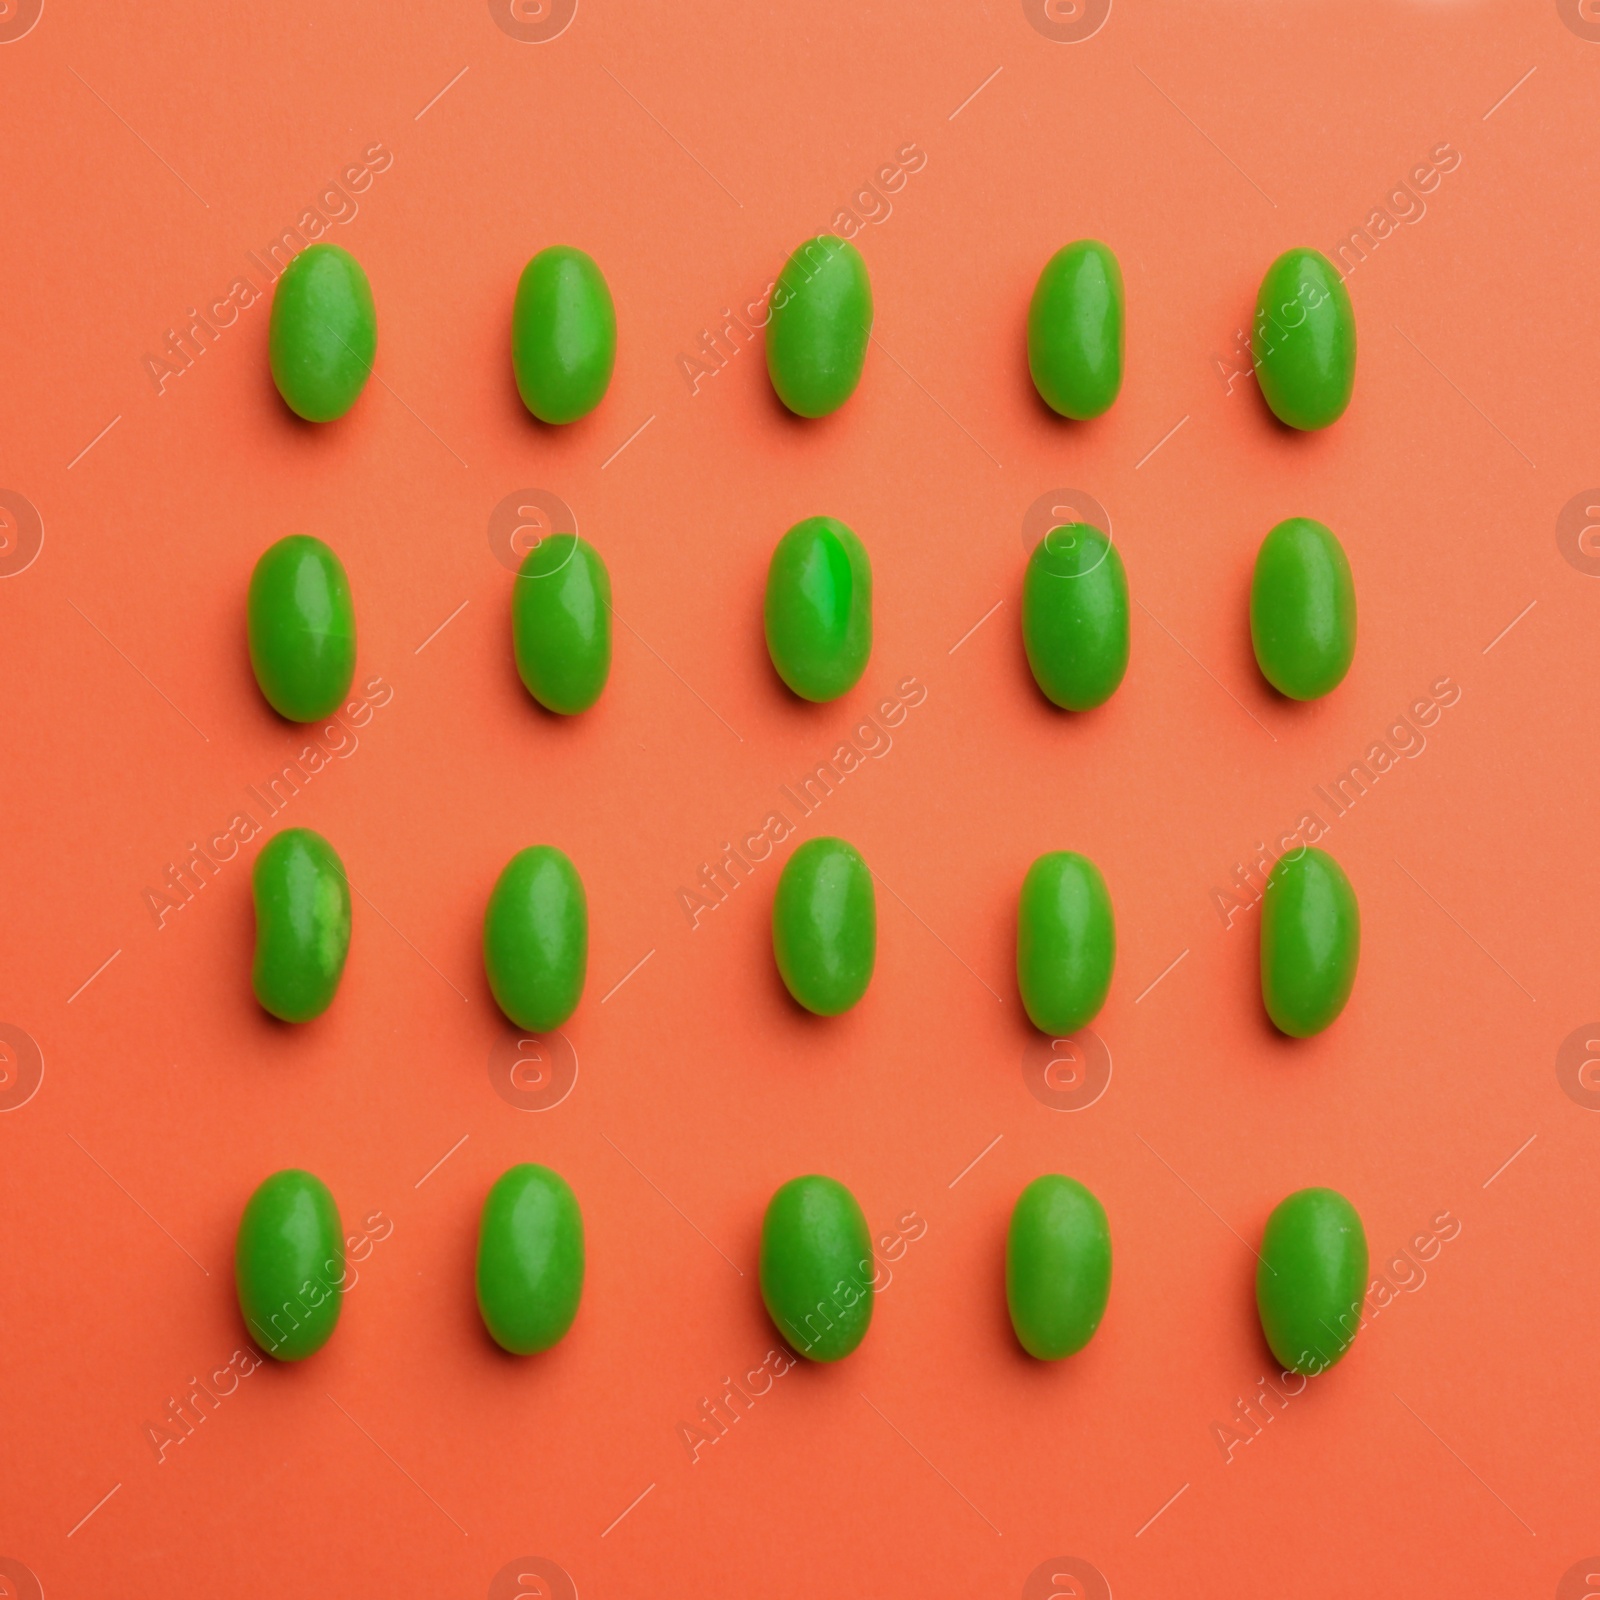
(149, 150)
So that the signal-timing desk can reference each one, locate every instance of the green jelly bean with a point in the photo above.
(561, 623)
(302, 628)
(820, 323)
(288, 1265)
(819, 608)
(1310, 941)
(536, 938)
(323, 333)
(302, 901)
(1058, 1266)
(817, 1271)
(1066, 942)
(1303, 609)
(1310, 1279)
(1304, 340)
(1075, 616)
(1075, 324)
(825, 926)
(530, 1259)
(563, 335)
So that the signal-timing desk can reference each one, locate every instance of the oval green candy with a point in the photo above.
(302, 899)
(536, 938)
(825, 926)
(561, 623)
(1310, 941)
(819, 608)
(817, 1271)
(820, 323)
(1075, 616)
(302, 628)
(1075, 336)
(1058, 1266)
(530, 1259)
(563, 335)
(1066, 942)
(1311, 1278)
(323, 333)
(288, 1265)
(1304, 340)
(1303, 609)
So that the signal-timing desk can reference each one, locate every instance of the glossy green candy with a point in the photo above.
(820, 323)
(288, 1265)
(561, 623)
(563, 335)
(1304, 340)
(302, 901)
(825, 926)
(302, 628)
(1303, 609)
(1310, 941)
(530, 1259)
(1066, 942)
(817, 1271)
(1311, 1278)
(323, 333)
(819, 608)
(1075, 330)
(1075, 616)
(1058, 1266)
(536, 938)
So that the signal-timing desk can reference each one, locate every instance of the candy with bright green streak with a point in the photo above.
(323, 333)
(1310, 1279)
(817, 1270)
(1066, 942)
(302, 899)
(1304, 340)
(288, 1265)
(1058, 1266)
(820, 323)
(825, 926)
(819, 608)
(561, 623)
(1075, 616)
(530, 1259)
(563, 335)
(1303, 609)
(536, 938)
(1310, 941)
(302, 628)
(1075, 323)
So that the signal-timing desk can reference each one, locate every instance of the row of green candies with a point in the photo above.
(323, 334)
(818, 614)
(819, 1270)
(824, 934)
